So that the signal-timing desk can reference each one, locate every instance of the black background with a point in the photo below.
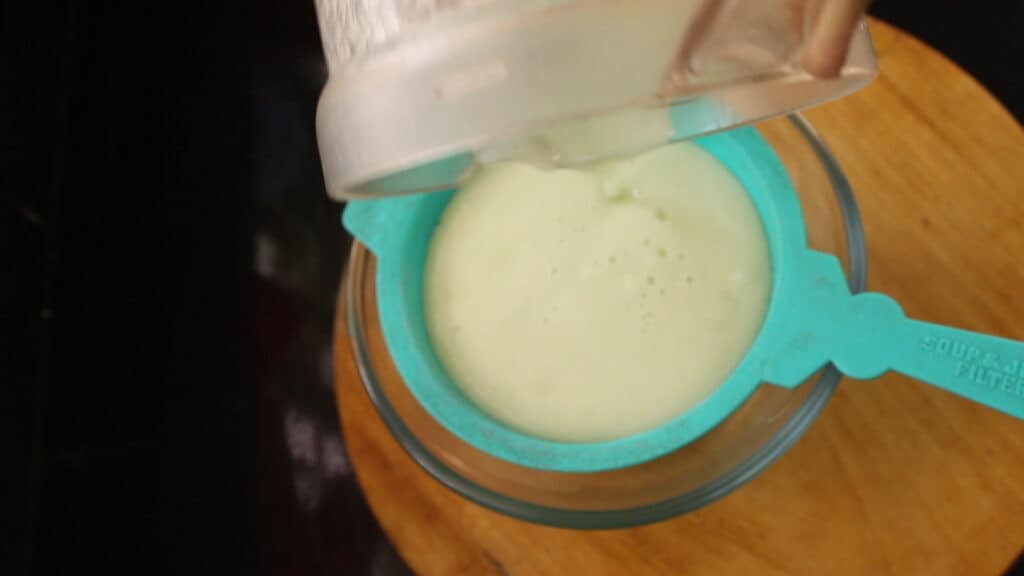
(169, 265)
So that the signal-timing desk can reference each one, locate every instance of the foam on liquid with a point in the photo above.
(588, 305)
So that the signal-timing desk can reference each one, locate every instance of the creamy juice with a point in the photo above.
(586, 305)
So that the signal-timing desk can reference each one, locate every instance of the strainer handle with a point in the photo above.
(818, 320)
(877, 337)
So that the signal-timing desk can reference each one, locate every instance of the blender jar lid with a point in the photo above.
(420, 92)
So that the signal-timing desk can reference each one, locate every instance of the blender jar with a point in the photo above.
(420, 92)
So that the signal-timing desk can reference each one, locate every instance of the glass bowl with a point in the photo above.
(721, 461)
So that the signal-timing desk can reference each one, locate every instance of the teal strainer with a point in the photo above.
(812, 319)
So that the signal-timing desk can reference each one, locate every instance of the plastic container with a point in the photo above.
(767, 424)
(421, 92)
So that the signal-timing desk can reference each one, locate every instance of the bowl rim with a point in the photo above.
(781, 441)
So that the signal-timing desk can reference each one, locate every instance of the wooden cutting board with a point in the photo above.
(895, 477)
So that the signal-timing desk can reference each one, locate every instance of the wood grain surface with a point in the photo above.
(895, 477)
